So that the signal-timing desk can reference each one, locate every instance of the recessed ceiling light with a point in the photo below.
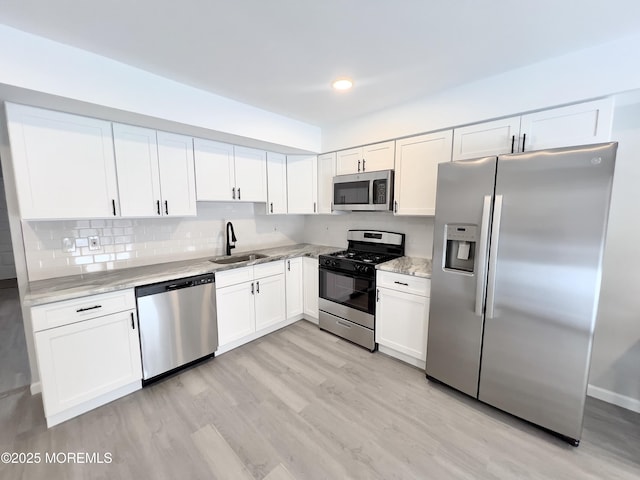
(342, 83)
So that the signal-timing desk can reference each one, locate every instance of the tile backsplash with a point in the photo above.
(61, 248)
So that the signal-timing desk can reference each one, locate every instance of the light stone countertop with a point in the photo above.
(76, 286)
(416, 266)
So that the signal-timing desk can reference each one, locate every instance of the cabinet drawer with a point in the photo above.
(70, 311)
(267, 269)
(404, 283)
(234, 276)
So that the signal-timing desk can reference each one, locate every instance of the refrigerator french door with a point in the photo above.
(518, 246)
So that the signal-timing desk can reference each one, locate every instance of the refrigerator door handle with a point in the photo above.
(493, 255)
(481, 273)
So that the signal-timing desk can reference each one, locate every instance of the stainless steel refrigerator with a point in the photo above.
(517, 256)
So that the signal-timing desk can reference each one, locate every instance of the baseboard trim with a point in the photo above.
(614, 398)
(35, 388)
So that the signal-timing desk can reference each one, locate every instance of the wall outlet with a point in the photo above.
(68, 245)
(94, 243)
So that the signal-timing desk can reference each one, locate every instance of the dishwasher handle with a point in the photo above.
(178, 286)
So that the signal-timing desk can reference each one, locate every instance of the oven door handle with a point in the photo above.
(346, 274)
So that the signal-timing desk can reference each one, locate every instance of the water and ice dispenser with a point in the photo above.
(461, 245)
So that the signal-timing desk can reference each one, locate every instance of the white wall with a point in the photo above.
(332, 229)
(45, 66)
(615, 367)
(587, 74)
(128, 243)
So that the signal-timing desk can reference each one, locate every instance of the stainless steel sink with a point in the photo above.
(246, 257)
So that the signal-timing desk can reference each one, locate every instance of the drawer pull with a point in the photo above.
(86, 309)
(343, 324)
(401, 283)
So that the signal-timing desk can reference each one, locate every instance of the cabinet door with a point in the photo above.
(270, 301)
(326, 172)
(302, 184)
(295, 287)
(251, 174)
(276, 183)
(236, 312)
(379, 156)
(136, 153)
(486, 139)
(214, 166)
(311, 287)
(348, 161)
(83, 360)
(402, 321)
(177, 174)
(64, 164)
(416, 175)
(563, 127)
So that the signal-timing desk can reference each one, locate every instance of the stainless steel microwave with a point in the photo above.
(365, 191)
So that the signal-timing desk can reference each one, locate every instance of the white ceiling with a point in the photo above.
(281, 55)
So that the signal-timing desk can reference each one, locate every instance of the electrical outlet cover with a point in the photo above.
(68, 245)
(94, 243)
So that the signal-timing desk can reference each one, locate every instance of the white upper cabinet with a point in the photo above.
(64, 164)
(228, 173)
(579, 124)
(177, 174)
(136, 151)
(251, 174)
(486, 139)
(156, 175)
(416, 172)
(378, 156)
(276, 183)
(215, 170)
(326, 172)
(302, 183)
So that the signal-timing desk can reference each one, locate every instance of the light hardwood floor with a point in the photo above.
(14, 362)
(303, 404)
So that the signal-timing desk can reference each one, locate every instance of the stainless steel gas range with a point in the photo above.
(347, 300)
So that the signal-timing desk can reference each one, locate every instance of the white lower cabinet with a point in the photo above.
(250, 303)
(402, 316)
(88, 353)
(311, 288)
(295, 288)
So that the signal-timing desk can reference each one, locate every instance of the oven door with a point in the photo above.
(348, 289)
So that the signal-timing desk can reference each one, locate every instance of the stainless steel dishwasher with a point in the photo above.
(178, 324)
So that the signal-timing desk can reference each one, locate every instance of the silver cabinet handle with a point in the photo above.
(252, 291)
(233, 193)
(289, 265)
(481, 269)
(401, 283)
(158, 207)
(257, 287)
(493, 255)
(166, 207)
(314, 207)
(239, 198)
(271, 207)
(358, 165)
(377, 294)
(363, 160)
(395, 206)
